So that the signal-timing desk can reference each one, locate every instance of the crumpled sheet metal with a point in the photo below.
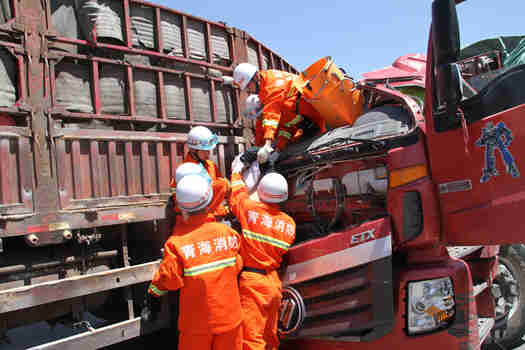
(104, 17)
(196, 40)
(220, 46)
(64, 19)
(5, 11)
(224, 104)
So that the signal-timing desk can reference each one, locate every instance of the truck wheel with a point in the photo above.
(509, 292)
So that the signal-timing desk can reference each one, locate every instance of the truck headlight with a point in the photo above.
(430, 305)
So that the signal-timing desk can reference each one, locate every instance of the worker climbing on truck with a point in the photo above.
(283, 107)
(201, 258)
(267, 233)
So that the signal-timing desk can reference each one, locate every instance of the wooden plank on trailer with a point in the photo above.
(97, 338)
(163, 166)
(96, 178)
(28, 296)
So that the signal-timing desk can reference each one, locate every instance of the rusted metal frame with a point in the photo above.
(20, 77)
(272, 60)
(187, 93)
(77, 176)
(125, 257)
(153, 199)
(163, 167)
(65, 184)
(96, 179)
(132, 50)
(96, 87)
(213, 100)
(4, 172)
(127, 24)
(260, 55)
(115, 174)
(97, 338)
(50, 267)
(87, 217)
(14, 8)
(139, 66)
(185, 42)
(158, 30)
(131, 92)
(61, 113)
(107, 135)
(28, 296)
(161, 95)
(130, 169)
(145, 169)
(209, 46)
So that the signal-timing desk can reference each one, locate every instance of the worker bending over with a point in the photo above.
(283, 107)
(267, 233)
(201, 259)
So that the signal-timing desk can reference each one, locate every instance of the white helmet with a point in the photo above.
(273, 188)
(193, 193)
(243, 73)
(201, 138)
(189, 168)
(252, 107)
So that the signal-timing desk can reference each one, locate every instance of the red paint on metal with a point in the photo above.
(338, 241)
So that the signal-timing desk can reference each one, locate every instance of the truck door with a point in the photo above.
(477, 148)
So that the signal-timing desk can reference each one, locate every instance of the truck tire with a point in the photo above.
(510, 296)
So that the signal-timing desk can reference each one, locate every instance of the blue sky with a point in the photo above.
(360, 35)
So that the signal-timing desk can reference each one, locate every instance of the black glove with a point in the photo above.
(250, 155)
(151, 310)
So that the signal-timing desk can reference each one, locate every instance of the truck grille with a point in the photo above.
(354, 304)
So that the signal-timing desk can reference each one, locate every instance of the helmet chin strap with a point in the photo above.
(195, 155)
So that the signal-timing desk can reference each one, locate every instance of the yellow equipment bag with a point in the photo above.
(331, 93)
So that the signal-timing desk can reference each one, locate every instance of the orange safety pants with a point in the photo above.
(260, 302)
(231, 340)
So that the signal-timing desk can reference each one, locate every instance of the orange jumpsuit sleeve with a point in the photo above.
(238, 195)
(170, 272)
(271, 95)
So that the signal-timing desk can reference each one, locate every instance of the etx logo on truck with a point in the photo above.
(363, 236)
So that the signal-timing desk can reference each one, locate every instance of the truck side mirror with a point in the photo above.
(449, 86)
(446, 47)
(445, 32)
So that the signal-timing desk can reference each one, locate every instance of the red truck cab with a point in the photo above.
(401, 215)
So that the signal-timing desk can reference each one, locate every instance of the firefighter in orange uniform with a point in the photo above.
(201, 142)
(267, 234)
(283, 107)
(201, 259)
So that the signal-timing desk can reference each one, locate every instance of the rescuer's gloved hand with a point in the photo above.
(237, 165)
(151, 309)
(264, 153)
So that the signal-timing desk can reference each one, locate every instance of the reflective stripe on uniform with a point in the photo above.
(266, 239)
(298, 118)
(216, 265)
(273, 123)
(237, 183)
(157, 291)
(284, 134)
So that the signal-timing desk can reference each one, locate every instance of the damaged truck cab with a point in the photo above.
(400, 216)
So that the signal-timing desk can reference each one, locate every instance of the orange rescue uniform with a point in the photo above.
(202, 260)
(281, 114)
(267, 234)
(220, 185)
